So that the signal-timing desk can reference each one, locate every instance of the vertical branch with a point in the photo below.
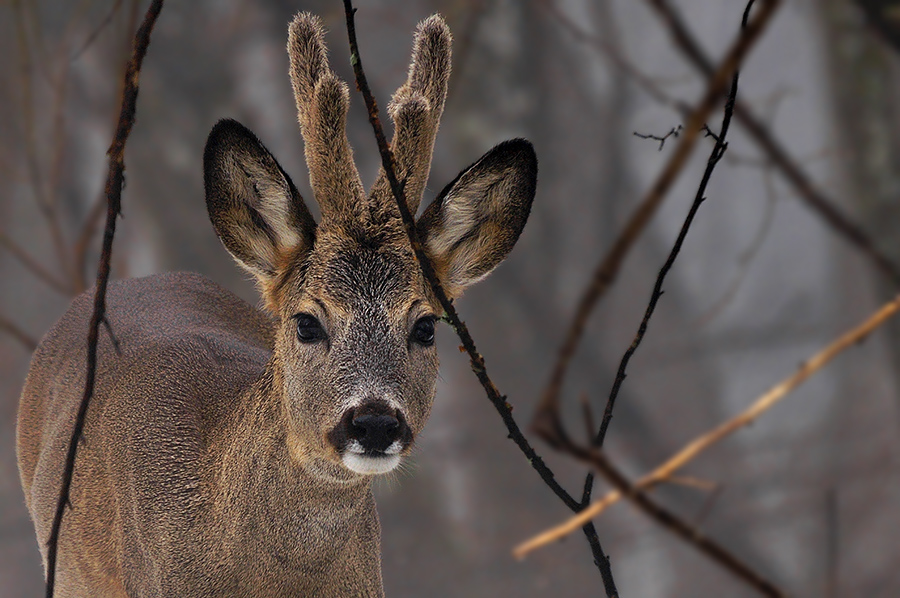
(714, 157)
(114, 181)
(476, 360)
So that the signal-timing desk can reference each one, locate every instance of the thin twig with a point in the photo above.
(25, 339)
(705, 441)
(546, 419)
(114, 182)
(820, 203)
(813, 197)
(673, 132)
(451, 316)
(715, 157)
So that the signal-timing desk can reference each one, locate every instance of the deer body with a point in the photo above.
(228, 451)
(205, 469)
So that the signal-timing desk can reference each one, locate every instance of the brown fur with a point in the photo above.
(219, 454)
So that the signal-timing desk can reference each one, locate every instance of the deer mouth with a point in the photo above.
(371, 438)
(370, 463)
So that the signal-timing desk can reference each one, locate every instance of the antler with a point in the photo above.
(322, 102)
(416, 110)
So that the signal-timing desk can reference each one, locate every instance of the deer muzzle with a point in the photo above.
(371, 437)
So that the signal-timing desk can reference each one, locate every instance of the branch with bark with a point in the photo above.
(114, 181)
(477, 362)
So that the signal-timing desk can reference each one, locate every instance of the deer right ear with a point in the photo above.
(475, 221)
(257, 212)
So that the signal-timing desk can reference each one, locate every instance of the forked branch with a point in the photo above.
(546, 420)
(591, 454)
(114, 180)
(693, 449)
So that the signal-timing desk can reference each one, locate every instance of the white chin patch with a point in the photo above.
(370, 465)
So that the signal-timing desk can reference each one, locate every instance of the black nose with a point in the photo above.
(373, 427)
(374, 432)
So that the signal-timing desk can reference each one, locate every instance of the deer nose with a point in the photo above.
(374, 432)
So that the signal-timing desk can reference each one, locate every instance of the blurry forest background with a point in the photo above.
(809, 495)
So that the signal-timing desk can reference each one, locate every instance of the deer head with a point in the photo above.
(354, 358)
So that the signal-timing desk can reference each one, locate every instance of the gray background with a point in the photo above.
(810, 495)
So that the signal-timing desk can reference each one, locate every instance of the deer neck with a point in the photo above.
(300, 514)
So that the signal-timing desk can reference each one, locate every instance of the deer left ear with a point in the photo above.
(475, 221)
(257, 212)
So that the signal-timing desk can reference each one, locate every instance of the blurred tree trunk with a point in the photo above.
(864, 74)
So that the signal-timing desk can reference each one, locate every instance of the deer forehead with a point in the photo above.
(354, 277)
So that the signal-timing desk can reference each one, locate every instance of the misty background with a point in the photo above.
(809, 495)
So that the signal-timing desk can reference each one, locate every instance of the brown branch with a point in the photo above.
(25, 339)
(715, 156)
(693, 449)
(114, 181)
(557, 436)
(452, 317)
(824, 206)
(546, 420)
(670, 521)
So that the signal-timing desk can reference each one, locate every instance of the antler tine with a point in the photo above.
(322, 102)
(416, 109)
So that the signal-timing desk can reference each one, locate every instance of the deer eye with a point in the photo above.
(423, 331)
(309, 329)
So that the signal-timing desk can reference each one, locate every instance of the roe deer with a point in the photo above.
(228, 451)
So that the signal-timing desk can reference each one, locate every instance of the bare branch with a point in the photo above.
(114, 182)
(452, 317)
(673, 132)
(715, 156)
(693, 449)
(551, 429)
(669, 520)
(824, 206)
(546, 420)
